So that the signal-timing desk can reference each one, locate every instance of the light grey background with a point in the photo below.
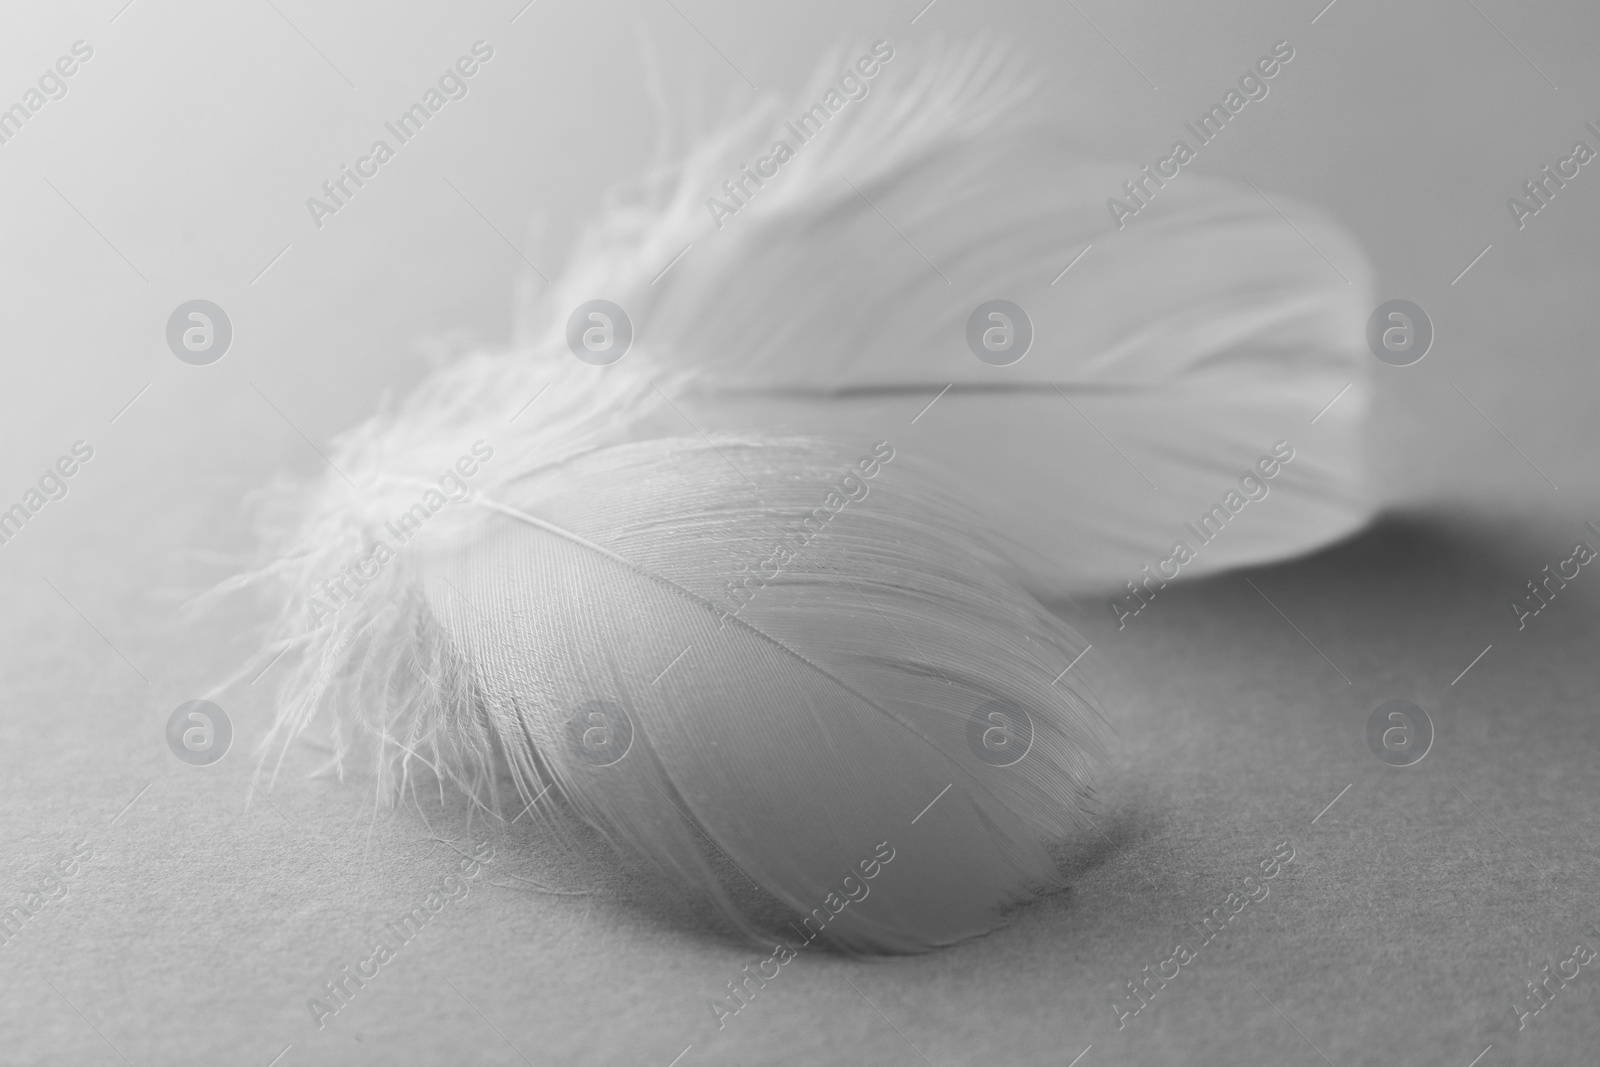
(184, 152)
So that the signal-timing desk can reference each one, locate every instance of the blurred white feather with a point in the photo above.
(570, 634)
(588, 575)
(1176, 352)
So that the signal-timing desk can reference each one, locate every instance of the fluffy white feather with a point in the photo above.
(1176, 352)
(791, 708)
(779, 728)
(792, 721)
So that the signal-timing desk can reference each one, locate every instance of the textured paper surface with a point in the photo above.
(1413, 910)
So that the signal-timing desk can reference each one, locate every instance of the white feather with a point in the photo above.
(590, 570)
(793, 735)
(793, 732)
(1174, 354)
